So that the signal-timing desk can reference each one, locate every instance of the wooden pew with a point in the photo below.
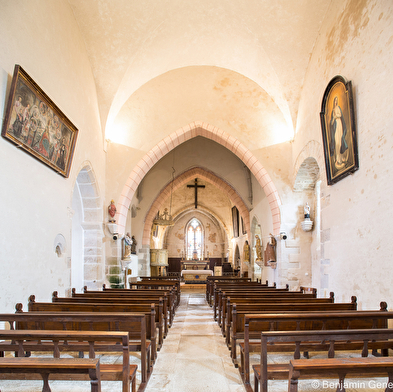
(56, 342)
(169, 297)
(237, 330)
(251, 297)
(245, 290)
(361, 340)
(354, 367)
(211, 280)
(254, 324)
(147, 310)
(244, 305)
(156, 285)
(48, 366)
(161, 319)
(226, 302)
(133, 323)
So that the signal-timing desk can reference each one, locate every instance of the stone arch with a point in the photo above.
(87, 234)
(188, 132)
(178, 182)
(309, 166)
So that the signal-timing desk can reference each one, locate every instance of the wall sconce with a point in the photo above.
(307, 223)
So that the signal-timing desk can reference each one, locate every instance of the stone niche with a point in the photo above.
(158, 262)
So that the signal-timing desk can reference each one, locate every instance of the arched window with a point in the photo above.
(194, 240)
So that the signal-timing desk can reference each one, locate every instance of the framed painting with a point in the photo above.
(34, 123)
(339, 130)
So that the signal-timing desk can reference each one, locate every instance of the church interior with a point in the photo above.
(222, 138)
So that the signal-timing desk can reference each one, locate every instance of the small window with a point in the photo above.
(194, 240)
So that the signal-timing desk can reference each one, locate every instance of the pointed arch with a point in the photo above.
(180, 181)
(188, 132)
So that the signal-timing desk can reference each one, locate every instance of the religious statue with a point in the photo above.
(307, 211)
(112, 211)
(133, 246)
(270, 252)
(258, 248)
(128, 242)
(246, 251)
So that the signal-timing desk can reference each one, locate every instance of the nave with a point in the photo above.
(193, 358)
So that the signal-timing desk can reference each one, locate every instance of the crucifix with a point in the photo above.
(196, 186)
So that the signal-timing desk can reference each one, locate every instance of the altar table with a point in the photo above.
(196, 276)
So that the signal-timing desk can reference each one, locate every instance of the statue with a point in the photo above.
(128, 242)
(133, 245)
(246, 251)
(307, 211)
(270, 252)
(112, 211)
(258, 248)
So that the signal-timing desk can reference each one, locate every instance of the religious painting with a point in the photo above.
(36, 125)
(338, 130)
(235, 221)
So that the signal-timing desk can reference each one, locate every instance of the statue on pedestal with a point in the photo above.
(258, 248)
(127, 246)
(112, 211)
(133, 245)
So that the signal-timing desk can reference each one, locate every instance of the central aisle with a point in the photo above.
(194, 356)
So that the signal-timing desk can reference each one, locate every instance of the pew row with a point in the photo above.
(354, 367)
(132, 323)
(117, 304)
(27, 341)
(352, 340)
(48, 366)
(255, 324)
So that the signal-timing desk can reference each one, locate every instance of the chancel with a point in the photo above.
(208, 132)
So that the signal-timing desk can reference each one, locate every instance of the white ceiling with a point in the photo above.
(236, 64)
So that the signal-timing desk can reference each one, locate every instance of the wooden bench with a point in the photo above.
(316, 322)
(168, 296)
(131, 305)
(27, 341)
(133, 323)
(48, 366)
(147, 310)
(355, 367)
(237, 330)
(212, 280)
(361, 340)
(243, 304)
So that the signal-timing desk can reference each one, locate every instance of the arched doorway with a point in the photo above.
(86, 250)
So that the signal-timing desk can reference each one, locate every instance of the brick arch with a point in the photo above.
(180, 181)
(183, 134)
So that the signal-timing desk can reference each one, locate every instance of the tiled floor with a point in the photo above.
(194, 358)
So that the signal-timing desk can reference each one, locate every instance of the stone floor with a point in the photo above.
(194, 358)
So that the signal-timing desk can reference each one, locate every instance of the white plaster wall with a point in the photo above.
(42, 36)
(356, 41)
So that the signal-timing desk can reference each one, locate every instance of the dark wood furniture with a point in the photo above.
(317, 322)
(133, 323)
(48, 366)
(342, 367)
(27, 341)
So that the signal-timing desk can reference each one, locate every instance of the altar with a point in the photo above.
(194, 265)
(196, 276)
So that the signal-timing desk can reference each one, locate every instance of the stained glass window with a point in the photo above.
(194, 240)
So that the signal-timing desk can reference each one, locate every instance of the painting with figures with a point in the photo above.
(37, 125)
(338, 130)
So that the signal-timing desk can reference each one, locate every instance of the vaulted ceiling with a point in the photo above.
(159, 65)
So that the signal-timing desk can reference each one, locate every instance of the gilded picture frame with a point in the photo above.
(35, 124)
(339, 130)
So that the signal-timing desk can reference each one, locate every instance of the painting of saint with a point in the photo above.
(338, 130)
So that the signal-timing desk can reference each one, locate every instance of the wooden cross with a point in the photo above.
(196, 186)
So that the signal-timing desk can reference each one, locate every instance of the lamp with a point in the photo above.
(165, 219)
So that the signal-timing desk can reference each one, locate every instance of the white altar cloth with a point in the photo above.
(197, 272)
